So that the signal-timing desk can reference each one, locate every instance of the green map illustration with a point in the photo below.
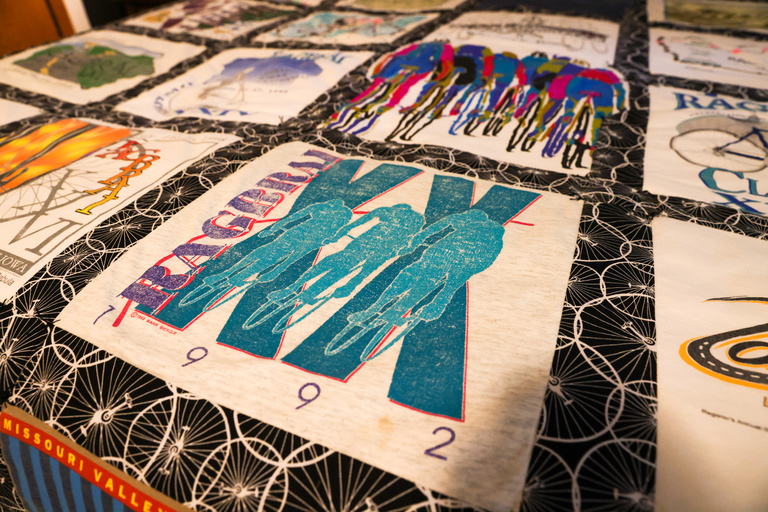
(88, 64)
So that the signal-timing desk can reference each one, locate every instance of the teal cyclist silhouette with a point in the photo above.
(296, 235)
(457, 247)
(390, 229)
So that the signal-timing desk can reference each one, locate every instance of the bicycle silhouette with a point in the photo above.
(718, 141)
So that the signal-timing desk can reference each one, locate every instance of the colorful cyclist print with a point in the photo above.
(555, 104)
(744, 57)
(402, 275)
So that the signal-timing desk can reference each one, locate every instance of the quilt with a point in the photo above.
(385, 257)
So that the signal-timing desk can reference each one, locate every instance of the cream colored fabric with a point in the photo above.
(340, 27)
(215, 19)
(509, 326)
(11, 111)
(710, 57)
(712, 421)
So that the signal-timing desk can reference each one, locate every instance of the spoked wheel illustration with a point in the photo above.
(47, 377)
(715, 148)
(617, 476)
(240, 476)
(99, 411)
(548, 484)
(21, 340)
(168, 442)
(739, 145)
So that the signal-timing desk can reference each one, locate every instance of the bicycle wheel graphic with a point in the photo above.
(616, 476)
(340, 483)
(635, 410)
(43, 298)
(576, 397)
(168, 442)
(21, 339)
(103, 403)
(548, 484)
(53, 190)
(241, 476)
(716, 148)
(48, 375)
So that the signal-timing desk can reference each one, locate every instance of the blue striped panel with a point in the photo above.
(65, 475)
(96, 494)
(56, 473)
(40, 476)
(18, 467)
(75, 483)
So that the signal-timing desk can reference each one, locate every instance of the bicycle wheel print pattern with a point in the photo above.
(316, 487)
(634, 410)
(47, 376)
(168, 442)
(628, 343)
(611, 478)
(548, 485)
(294, 449)
(43, 298)
(21, 339)
(715, 148)
(103, 403)
(576, 396)
(240, 476)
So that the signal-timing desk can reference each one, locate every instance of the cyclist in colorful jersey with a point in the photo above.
(604, 94)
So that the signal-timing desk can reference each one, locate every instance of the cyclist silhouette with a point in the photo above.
(392, 227)
(297, 234)
(457, 247)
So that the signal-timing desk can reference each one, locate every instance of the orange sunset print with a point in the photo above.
(26, 156)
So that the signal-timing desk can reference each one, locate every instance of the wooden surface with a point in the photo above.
(32, 22)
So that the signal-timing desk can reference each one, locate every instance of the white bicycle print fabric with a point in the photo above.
(714, 58)
(90, 67)
(246, 84)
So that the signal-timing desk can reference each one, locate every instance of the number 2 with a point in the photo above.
(431, 451)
